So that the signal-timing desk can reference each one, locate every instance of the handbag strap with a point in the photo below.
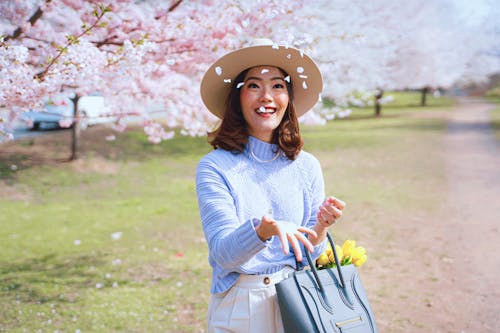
(315, 271)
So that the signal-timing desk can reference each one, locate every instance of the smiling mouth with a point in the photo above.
(266, 110)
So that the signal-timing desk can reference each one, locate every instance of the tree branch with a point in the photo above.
(72, 40)
(174, 5)
(32, 20)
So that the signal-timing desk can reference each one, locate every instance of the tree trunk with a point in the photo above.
(423, 99)
(378, 106)
(75, 131)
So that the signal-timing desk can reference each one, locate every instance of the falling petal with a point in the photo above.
(276, 46)
(300, 69)
(77, 242)
(227, 80)
(264, 71)
(287, 79)
(289, 56)
(320, 98)
(301, 54)
(304, 84)
(303, 76)
(262, 109)
(115, 284)
(116, 235)
(99, 285)
(239, 85)
(117, 262)
(218, 70)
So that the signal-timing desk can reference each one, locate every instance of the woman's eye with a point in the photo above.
(252, 85)
(279, 86)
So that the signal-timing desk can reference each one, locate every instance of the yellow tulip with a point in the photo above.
(323, 259)
(360, 260)
(359, 256)
(348, 247)
(347, 254)
(328, 249)
(358, 252)
(340, 253)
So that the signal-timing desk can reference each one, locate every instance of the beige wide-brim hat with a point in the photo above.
(304, 74)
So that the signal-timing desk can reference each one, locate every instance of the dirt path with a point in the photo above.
(471, 230)
(448, 279)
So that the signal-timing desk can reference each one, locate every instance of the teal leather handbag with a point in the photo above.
(327, 300)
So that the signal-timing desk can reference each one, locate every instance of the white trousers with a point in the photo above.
(250, 305)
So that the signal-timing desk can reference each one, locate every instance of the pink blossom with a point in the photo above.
(147, 60)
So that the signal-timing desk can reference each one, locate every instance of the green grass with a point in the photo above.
(60, 268)
(495, 120)
(413, 99)
(401, 100)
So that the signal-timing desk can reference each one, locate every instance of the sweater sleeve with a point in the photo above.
(231, 242)
(317, 196)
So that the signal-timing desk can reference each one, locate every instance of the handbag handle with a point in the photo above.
(315, 271)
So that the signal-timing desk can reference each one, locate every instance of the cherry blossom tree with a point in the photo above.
(138, 54)
(148, 56)
(368, 47)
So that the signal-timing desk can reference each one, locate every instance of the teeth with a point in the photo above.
(262, 109)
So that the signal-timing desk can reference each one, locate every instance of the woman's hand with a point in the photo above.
(287, 233)
(329, 211)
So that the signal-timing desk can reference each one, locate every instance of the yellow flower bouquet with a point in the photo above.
(347, 254)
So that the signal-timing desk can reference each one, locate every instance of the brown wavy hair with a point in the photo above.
(232, 133)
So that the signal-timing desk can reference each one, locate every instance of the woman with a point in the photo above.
(261, 198)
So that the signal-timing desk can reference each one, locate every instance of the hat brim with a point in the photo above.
(304, 75)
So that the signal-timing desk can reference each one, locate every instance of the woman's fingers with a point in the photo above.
(308, 231)
(295, 246)
(331, 211)
(283, 236)
(292, 234)
(303, 239)
(336, 202)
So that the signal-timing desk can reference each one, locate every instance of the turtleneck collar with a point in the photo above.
(262, 150)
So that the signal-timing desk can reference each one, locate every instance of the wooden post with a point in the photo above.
(75, 130)
(378, 106)
(423, 99)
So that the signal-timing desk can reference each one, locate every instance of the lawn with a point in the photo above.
(113, 242)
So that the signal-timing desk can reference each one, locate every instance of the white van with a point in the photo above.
(93, 111)
(59, 113)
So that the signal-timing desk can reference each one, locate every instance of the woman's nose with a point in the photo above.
(266, 95)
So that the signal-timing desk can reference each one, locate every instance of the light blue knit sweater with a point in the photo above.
(234, 192)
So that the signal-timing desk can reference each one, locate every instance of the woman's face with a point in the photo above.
(264, 99)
